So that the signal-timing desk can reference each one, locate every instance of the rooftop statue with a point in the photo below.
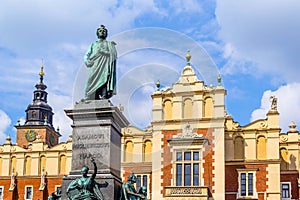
(128, 191)
(101, 59)
(85, 188)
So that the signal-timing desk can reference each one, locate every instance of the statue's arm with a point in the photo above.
(95, 168)
(128, 191)
(72, 185)
(87, 55)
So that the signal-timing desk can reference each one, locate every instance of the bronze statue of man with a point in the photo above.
(85, 187)
(128, 191)
(101, 59)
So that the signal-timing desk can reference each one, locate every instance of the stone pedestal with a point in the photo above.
(97, 133)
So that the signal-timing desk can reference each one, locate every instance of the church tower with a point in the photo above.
(39, 118)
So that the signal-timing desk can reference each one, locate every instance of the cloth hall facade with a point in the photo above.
(191, 150)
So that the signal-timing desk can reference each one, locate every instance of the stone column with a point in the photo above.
(97, 133)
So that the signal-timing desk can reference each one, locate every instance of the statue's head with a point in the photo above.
(144, 189)
(132, 177)
(102, 32)
(84, 170)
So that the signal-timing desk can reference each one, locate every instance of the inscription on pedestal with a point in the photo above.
(91, 142)
(97, 133)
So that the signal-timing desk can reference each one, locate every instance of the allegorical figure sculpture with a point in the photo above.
(101, 59)
(128, 191)
(143, 191)
(55, 196)
(85, 188)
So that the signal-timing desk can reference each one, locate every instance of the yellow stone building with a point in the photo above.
(192, 150)
(199, 152)
(33, 167)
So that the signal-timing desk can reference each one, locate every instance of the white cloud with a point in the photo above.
(35, 25)
(22, 122)
(59, 103)
(288, 105)
(60, 34)
(5, 121)
(235, 62)
(263, 32)
(182, 6)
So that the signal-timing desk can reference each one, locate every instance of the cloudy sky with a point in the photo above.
(253, 44)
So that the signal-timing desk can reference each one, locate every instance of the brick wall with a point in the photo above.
(23, 181)
(231, 179)
(293, 178)
(167, 159)
(208, 158)
(138, 169)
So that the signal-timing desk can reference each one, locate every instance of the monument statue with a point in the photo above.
(143, 191)
(128, 191)
(101, 59)
(55, 196)
(85, 187)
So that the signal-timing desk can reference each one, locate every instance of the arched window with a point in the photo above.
(188, 109)
(239, 148)
(208, 108)
(27, 166)
(33, 115)
(261, 147)
(284, 159)
(13, 164)
(129, 151)
(148, 151)
(62, 164)
(42, 163)
(167, 110)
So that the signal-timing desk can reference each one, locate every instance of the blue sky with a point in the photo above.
(254, 45)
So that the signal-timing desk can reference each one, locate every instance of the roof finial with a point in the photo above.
(219, 80)
(188, 57)
(292, 125)
(157, 85)
(8, 140)
(42, 73)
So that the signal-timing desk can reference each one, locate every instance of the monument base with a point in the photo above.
(97, 134)
(110, 186)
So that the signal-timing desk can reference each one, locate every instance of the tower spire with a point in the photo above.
(42, 73)
(39, 109)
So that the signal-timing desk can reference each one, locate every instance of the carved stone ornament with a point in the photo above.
(12, 180)
(273, 100)
(43, 182)
(187, 132)
(283, 138)
(236, 125)
(12, 149)
(263, 124)
(64, 147)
